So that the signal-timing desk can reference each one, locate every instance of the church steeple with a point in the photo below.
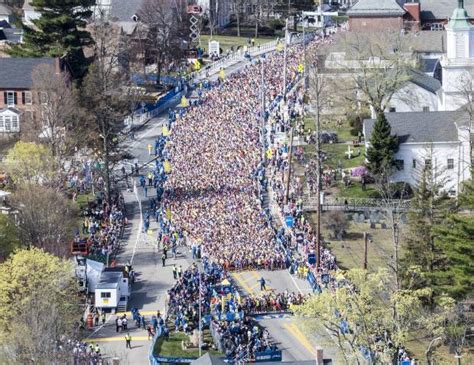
(460, 34)
(459, 19)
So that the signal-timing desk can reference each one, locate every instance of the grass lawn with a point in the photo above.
(172, 347)
(355, 191)
(343, 129)
(225, 42)
(336, 156)
(349, 251)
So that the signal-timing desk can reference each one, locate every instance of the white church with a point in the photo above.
(427, 113)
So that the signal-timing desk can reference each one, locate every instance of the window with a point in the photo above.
(26, 97)
(413, 164)
(43, 97)
(450, 163)
(392, 109)
(105, 294)
(426, 108)
(14, 122)
(10, 98)
(1, 122)
(428, 163)
(400, 164)
(8, 123)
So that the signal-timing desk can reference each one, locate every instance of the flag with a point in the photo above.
(269, 153)
(165, 131)
(197, 65)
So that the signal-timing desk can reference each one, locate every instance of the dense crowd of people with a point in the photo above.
(217, 171)
(235, 333)
(102, 227)
(271, 302)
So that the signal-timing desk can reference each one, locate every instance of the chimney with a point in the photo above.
(319, 357)
(413, 8)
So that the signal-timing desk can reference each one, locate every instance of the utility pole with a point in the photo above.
(284, 62)
(366, 241)
(318, 166)
(304, 56)
(290, 158)
(200, 314)
(262, 89)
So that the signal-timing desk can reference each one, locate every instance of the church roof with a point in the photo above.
(376, 8)
(422, 127)
(424, 81)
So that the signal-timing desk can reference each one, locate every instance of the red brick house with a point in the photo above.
(16, 83)
(411, 15)
(376, 15)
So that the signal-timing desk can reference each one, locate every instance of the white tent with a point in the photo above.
(94, 270)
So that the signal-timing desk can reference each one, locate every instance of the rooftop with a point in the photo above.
(11, 35)
(16, 73)
(422, 127)
(426, 82)
(123, 10)
(5, 10)
(109, 280)
(441, 9)
(376, 8)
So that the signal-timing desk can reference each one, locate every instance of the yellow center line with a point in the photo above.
(143, 313)
(115, 339)
(256, 276)
(291, 327)
(237, 276)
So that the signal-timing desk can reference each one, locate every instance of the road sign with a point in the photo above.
(290, 221)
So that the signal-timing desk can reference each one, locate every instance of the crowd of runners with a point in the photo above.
(217, 171)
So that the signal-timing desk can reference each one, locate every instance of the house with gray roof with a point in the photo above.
(420, 93)
(439, 140)
(16, 83)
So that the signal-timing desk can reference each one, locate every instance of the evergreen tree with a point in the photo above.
(422, 256)
(456, 238)
(383, 146)
(58, 32)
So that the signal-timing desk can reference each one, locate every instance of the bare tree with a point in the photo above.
(56, 114)
(105, 94)
(46, 218)
(238, 9)
(165, 21)
(373, 66)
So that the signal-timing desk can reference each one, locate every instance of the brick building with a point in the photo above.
(16, 98)
(410, 15)
(376, 15)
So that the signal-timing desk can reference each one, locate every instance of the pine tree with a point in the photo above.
(456, 238)
(383, 146)
(58, 32)
(422, 256)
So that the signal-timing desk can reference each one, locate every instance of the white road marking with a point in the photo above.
(294, 282)
(140, 225)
